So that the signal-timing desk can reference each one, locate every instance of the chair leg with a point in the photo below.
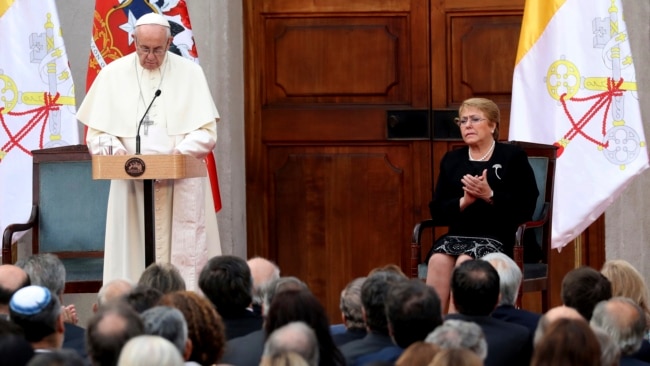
(544, 301)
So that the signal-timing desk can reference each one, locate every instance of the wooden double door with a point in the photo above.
(349, 108)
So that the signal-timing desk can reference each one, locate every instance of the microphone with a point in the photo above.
(137, 135)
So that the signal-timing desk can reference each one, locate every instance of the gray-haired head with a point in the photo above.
(168, 323)
(295, 337)
(149, 350)
(162, 276)
(623, 320)
(509, 276)
(609, 351)
(279, 285)
(350, 304)
(455, 333)
(45, 269)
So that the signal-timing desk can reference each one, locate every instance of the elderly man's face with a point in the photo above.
(151, 43)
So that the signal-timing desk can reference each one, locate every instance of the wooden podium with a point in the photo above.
(147, 168)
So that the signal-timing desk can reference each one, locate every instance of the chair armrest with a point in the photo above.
(416, 243)
(8, 234)
(418, 229)
(519, 236)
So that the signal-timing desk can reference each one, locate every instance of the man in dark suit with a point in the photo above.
(373, 298)
(413, 310)
(475, 292)
(625, 323)
(583, 288)
(509, 282)
(351, 313)
(247, 350)
(227, 282)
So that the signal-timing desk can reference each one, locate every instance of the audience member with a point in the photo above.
(373, 298)
(583, 288)
(351, 313)
(413, 311)
(558, 312)
(295, 337)
(227, 282)
(108, 331)
(284, 359)
(300, 305)
(204, 326)
(12, 278)
(279, 285)
(169, 323)
(14, 348)
(456, 357)
(624, 321)
(162, 276)
(453, 334)
(149, 350)
(509, 282)
(142, 298)
(247, 350)
(417, 354)
(474, 293)
(264, 272)
(47, 270)
(38, 312)
(111, 291)
(60, 357)
(609, 351)
(627, 282)
(567, 342)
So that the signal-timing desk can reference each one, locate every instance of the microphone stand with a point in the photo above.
(137, 135)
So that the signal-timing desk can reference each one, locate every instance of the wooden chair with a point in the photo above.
(542, 159)
(68, 216)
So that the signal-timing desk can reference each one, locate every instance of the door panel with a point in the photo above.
(330, 194)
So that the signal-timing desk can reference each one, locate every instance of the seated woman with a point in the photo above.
(484, 191)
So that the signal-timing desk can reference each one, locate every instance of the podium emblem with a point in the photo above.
(134, 167)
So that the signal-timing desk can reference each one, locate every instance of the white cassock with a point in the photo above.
(184, 118)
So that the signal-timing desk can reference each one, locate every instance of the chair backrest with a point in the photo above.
(540, 168)
(71, 218)
(542, 159)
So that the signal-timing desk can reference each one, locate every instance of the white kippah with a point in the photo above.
(30, 300)
(152, 18)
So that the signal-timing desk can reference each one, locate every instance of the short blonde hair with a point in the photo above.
(627, 282)
(489, 108)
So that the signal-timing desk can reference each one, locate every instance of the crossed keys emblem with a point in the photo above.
(53, 70)
(620, 144)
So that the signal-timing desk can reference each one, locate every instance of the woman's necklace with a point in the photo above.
(482, 158)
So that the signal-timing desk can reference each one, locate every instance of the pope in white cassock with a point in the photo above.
(182, 120)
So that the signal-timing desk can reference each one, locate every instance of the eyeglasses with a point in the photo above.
(473, 119)
(158, 51)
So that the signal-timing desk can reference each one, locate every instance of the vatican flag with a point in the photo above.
(574, 86)
(37, 105)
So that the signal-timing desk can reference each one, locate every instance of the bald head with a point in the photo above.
(263, 272)
(12, 278)
(115, 289)
(558, 312)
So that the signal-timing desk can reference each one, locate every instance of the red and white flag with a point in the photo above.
(37, 104)
(113, 27)
(575, 86)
